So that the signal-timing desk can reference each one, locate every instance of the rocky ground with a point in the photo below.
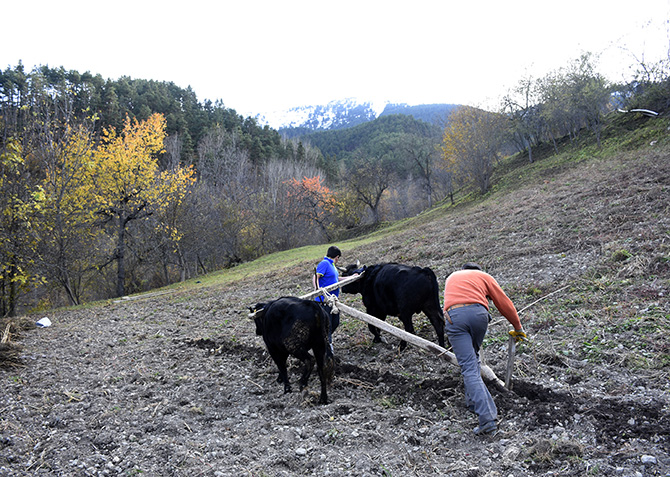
(177, 384)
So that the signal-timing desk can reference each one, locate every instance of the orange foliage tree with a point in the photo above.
(311, 201)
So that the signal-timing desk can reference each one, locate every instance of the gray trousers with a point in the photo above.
(466, 333)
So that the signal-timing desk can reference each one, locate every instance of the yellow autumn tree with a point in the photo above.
(471, 144)
(68, 250)
(20, 203)
(127, 182)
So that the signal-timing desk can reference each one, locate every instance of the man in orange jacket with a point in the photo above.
(466, 308)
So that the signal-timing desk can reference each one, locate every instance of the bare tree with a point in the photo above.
(444, 182)
(520, 105)
(171, 159)
(302, 151)
(280, 223)
(369, 177)
(423, 154)
(223, 163)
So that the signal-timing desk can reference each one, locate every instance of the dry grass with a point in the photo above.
(10, 349)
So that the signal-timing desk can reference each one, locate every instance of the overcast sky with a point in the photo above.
(266, 55)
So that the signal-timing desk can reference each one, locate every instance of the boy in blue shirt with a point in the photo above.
(327, 274)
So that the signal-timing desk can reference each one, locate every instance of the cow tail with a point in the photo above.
(329, 358)
(436, 290)
(327, 324)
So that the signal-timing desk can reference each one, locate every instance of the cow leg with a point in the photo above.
(375, 333)
(373, 329)
(324, 366)
(437, 320)
(308, 362)
(280, 360)
(409, 327)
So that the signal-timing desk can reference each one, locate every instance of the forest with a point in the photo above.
(113, 187)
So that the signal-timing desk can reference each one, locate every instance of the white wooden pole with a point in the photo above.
(440, 352)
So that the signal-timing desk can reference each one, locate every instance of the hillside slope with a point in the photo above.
(178, 384)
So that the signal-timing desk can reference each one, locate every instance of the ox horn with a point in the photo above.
(254, 312)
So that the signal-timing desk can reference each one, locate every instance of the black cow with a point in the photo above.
(293, 326)
(398, 290)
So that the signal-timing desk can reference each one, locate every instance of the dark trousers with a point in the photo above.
(334, 321)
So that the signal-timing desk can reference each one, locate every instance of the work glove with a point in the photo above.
(518, 335)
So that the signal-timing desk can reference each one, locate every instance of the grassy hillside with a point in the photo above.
(525, 199)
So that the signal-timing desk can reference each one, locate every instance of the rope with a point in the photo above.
(330, 300)
(528, 306)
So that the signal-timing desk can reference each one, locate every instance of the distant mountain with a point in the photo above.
(334, 115)
(347, 113)
(436, 114)
(342, 143)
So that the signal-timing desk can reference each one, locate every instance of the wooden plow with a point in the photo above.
(429, 346)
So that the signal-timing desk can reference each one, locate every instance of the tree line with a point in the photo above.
(562, 105)
(111, 187)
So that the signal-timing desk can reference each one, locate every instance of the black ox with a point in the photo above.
(398, 290)
(293, 326)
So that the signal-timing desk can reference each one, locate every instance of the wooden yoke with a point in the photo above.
(320, 291)
(332, 287)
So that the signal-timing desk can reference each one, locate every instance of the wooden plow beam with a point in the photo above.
(437, 350)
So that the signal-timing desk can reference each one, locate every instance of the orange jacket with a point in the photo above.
(475, 286)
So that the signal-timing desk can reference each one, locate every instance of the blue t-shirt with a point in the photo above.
(330, 275)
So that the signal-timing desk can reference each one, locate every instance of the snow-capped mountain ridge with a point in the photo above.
(334, 115)
(346, 113)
